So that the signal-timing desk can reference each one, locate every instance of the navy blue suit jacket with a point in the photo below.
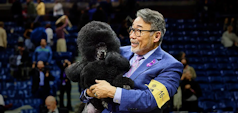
(166, 70)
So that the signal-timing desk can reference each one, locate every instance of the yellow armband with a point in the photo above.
(159, 92)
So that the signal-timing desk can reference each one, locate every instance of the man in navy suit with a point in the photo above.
(157, 74)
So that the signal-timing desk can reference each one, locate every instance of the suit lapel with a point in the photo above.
(153, 59)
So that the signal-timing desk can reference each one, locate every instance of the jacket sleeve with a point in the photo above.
(143, 100)
(5, 39)
(50, 55)
(34, 55)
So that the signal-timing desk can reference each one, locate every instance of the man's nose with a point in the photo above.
(132, 35)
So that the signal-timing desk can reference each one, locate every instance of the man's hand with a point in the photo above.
(90, 93)
(47, 74)
(103, 89)
(33, 64)
(188, 86)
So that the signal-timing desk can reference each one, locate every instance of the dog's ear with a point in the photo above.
(73, 71)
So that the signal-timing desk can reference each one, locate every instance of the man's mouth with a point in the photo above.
(134, 44)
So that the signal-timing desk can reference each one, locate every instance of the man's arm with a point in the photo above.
(5, 39)
(143, 100)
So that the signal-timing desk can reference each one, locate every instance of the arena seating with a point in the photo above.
(215, 66)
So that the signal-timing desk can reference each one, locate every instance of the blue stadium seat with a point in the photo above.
(194, 60)
(197, 67)
(191, 53)
(204, 46)
(235, 95)
(207, 95)
(29, 111)
(191, 47)
(218, 87)
(220, 53)
(201, 73)
(232, 86)
(16, 103)
(205, 87)
(225, 66)
(233, 59)
(232, 53)
(223, 95)
(65, 55)
(235, 66)
(216, 79)
(202, 79)
(230, 79)
(222, 60)
(227, 72)
(9, 86)
(206, 53)
(227, 105)
(214, 73)
(208, 59)
(210, 66)
(207, 105)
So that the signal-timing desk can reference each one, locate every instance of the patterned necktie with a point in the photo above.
(134, 66)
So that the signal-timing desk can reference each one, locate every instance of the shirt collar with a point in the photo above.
(55, 110)
(145, 56)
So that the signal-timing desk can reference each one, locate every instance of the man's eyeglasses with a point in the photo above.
(138, 31)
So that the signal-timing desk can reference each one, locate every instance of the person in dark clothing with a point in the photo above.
(51, 105)
(100, 15)
(20, 63)
(37, 34)
(16, 10)
(65, 85)
(123, 34)
(190, 93)
(40, 81)
(84, 19)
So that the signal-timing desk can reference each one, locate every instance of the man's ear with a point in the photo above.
(157, 36)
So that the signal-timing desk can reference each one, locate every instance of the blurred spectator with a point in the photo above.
(124, 34)
(20, 64)
(181, 56)
(50, 34)
(229, 39)
(3, 37)
(107, 7)
(51, 105)
(31, 10)
(74, 14)
(61, 43)
(40, 10)
(42, 53)
(37, 34)
(58, 9)
(99, 15)
(17, 12)
(28, 30)
(4, 107)
(40, 81)
(65, 85)
(188, 70)
(191, 91)
(228, 23)
(84, 19)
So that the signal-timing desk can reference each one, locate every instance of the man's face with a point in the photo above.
(144, 43)
(40, 65)
(50, 105)
(43, 42)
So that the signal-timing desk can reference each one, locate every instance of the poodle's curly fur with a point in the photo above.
(110, 67)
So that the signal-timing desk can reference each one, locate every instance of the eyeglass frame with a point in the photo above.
(133, 29)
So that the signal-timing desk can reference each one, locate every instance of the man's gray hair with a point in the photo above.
(155, 19)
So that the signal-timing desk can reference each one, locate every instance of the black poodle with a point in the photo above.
(99, 48)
